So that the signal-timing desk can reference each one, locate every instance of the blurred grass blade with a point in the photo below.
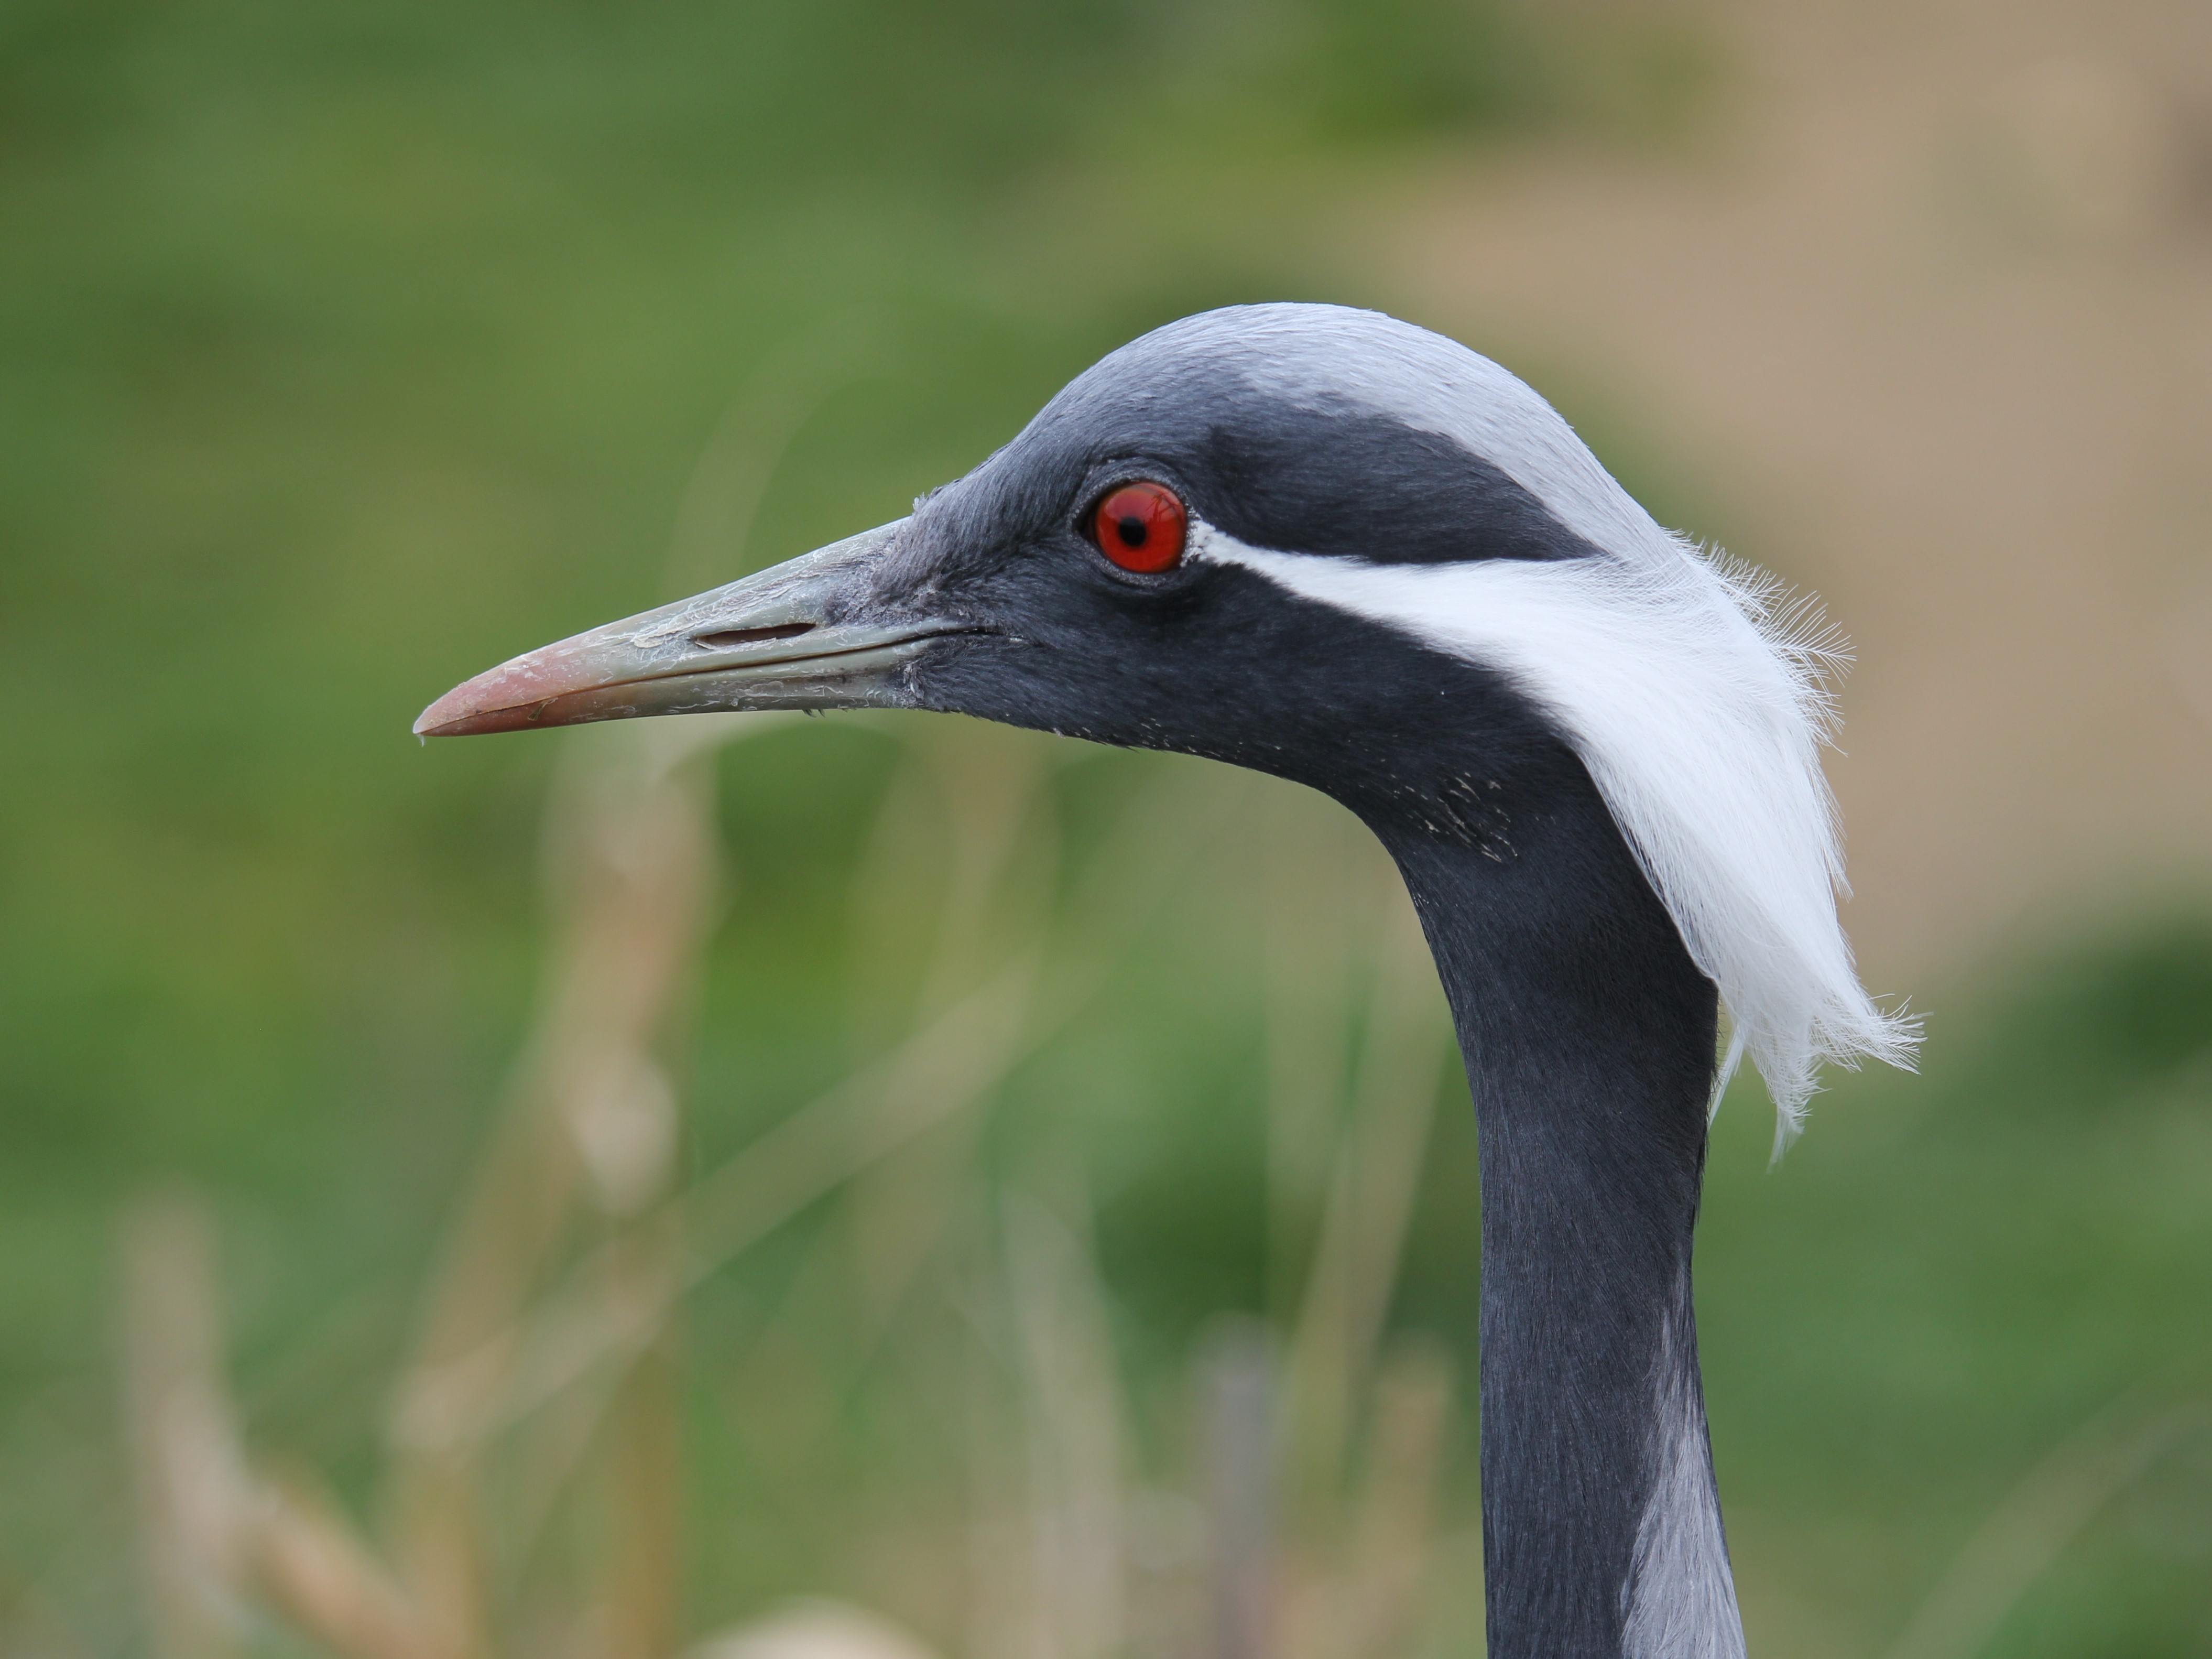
(817, 1629)
(601, 1317)
(716, 515)
(1393, 1517)
(1370, 1201)
(1075, 1433)
(1318, 884)
(194, 1494)
(2035, 1522)
(309, 1563)
(632, 875)
(941, 1069)
(1237, 1386)
(639, 1598)
(215, 1534)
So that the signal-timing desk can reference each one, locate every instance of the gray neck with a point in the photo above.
(1588, 1035)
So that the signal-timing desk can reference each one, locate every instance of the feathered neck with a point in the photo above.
(1588, 1034)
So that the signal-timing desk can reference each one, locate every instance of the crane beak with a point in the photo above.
(786, 638)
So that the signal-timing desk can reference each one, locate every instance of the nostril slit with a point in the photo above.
(734, 636)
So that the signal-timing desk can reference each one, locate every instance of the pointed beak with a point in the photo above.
(796, 637)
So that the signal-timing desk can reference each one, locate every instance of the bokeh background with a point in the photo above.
(571, 1194)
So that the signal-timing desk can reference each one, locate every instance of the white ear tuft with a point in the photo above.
(1695, 687)
(1696, 698)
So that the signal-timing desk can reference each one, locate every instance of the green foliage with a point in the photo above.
(2108, 1030)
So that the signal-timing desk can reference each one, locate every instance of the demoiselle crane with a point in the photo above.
(1331, 546)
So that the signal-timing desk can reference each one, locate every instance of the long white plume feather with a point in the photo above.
(1694, 687)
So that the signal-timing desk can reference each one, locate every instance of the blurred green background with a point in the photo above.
(346, 350)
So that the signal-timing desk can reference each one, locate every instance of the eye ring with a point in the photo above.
(1141, 527)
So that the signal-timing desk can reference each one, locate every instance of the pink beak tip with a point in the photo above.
(487, 703)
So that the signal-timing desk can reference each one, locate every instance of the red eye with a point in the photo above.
(1141, 526)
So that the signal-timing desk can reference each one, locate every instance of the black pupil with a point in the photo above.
(1131, 529)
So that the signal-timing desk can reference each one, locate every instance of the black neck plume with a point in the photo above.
(1588, 1037)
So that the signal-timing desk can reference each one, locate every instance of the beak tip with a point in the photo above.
(440, 720)
(441, 716)
(466, 711)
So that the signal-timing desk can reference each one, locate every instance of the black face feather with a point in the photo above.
(1208, 659)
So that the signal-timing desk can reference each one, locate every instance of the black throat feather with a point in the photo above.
(1588, 1038)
